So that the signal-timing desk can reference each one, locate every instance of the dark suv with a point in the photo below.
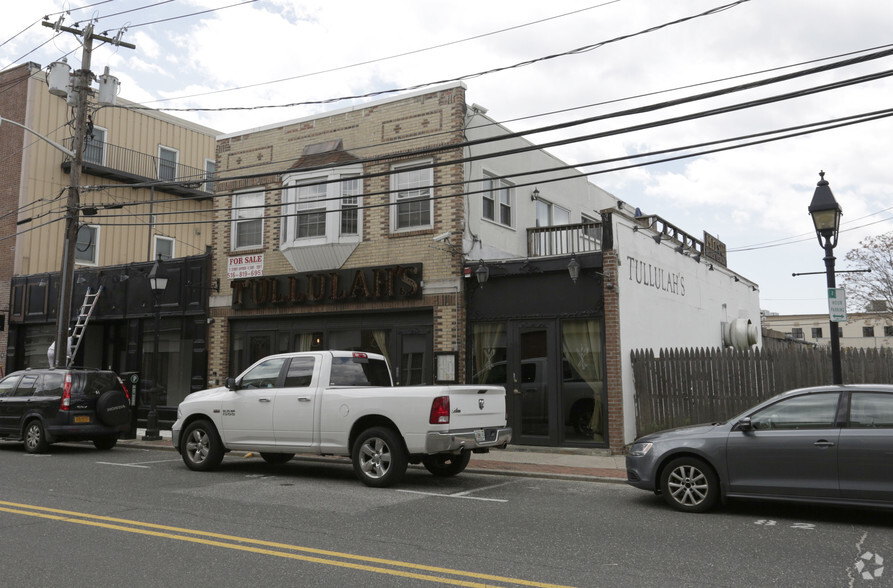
(43, 406)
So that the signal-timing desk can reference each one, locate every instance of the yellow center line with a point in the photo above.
(207, 538)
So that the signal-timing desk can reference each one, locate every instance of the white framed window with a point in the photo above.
(94, 147)
(86, 250)
(550, 215)
(591, 232)
(168, 158)
(322, 207)
(411, 192)
(248, 220)
(164, 246)
(498, 200)
(210, 170)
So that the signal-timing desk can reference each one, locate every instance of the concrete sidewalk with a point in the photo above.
(515, 460)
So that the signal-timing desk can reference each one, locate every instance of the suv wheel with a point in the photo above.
(105, 443)
(201, 447)
(35, 437)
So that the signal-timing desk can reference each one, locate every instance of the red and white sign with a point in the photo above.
(245, 266)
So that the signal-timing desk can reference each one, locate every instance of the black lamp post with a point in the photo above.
(826, 213)
(158, 284)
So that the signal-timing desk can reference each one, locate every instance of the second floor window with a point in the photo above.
(248, 221)
(497, 201)
(210, 170)
(868, 331)
(94, 148)
(87, 249)
(411, 193)
(164, 247)
(323, 207)
(167, 163)
(816, 333)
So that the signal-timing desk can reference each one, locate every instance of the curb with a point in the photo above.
(604, 475)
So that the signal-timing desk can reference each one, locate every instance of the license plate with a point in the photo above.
(82, 419)
(479, 435)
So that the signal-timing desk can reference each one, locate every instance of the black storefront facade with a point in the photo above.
(539, 333)
(121, 333)
(379, 309)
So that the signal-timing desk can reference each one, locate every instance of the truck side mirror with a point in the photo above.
(231, 383)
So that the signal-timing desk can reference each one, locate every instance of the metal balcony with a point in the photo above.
(564, 239)
(132, 167)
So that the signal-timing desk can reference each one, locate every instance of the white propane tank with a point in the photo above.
(57, 77)
(740, 333)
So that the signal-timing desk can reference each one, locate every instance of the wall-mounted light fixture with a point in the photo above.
(620, 204)
(482, 273)
(535, 195)
(573, 268)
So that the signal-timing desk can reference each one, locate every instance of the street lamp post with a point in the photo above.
(157, 283)
(826, 213)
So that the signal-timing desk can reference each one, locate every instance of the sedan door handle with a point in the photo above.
(263, 400)
(823, 443)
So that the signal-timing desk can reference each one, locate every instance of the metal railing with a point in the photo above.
(141, 165)
(564, 239)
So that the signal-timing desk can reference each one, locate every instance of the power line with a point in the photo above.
(577, 51)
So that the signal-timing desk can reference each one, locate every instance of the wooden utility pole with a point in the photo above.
(81, 81)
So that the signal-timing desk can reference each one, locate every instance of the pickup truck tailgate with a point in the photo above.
(476, 406)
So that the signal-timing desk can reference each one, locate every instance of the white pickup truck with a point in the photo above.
(340, 403)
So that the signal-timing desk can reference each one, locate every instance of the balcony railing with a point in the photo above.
(132, 167)
(564, 239)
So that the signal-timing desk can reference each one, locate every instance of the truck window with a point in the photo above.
(347, 372)
(263, 375)
(300, 372)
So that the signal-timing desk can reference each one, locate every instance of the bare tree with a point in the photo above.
(871, 291)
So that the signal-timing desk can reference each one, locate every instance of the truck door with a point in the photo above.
(296, 404)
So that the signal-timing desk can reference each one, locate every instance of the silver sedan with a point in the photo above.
(828, 444)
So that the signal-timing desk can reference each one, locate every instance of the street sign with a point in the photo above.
(837, 304)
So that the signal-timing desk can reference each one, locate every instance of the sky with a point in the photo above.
(233, 65)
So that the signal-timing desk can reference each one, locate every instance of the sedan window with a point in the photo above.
(811, 411)
(871, 410)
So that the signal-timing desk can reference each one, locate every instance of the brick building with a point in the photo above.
(420, 228)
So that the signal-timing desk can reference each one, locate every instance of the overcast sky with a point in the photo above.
(261, 55)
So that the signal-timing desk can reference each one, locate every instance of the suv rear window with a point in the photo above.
(93, 383)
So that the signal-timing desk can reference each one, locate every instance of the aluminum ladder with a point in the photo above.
(81, 325)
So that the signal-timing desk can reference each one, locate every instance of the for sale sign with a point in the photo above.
(245, 266)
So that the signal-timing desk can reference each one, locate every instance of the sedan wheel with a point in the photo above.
(689, 484)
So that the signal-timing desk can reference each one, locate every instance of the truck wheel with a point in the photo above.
(378, 457)
(35, 437)
(443, 465)
(201, 447)
(277, 458)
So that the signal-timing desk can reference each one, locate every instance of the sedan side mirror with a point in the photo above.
(744, 425)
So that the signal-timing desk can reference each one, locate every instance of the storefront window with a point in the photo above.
(37, 341)
(169, 375)
(582, 387)
(488, 354)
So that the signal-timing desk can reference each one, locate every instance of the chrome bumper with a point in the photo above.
(467, 440)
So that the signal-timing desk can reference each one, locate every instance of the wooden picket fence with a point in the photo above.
(681, 387)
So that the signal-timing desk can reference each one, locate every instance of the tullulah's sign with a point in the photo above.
(351, 285)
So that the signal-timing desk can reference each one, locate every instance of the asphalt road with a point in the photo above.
(136, 516)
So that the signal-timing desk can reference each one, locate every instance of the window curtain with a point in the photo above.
(581, 344)
(486, 338)
(305, 340)
(381, 340)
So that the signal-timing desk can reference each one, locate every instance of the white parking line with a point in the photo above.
(460, 495)
(135, 465)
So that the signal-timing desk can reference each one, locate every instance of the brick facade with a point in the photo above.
(378, 136)
(613, 357)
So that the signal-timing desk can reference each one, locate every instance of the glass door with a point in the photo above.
(532, 384)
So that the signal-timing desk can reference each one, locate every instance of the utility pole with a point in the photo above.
(81, 81)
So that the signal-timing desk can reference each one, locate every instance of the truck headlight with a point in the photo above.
(640, 449)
